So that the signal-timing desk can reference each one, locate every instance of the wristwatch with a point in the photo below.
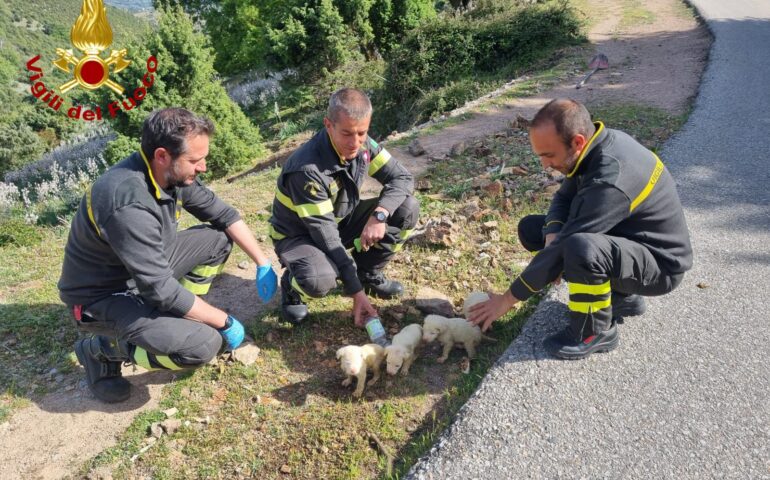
(380, 216)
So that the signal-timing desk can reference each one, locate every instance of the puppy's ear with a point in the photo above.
(388, 349)
(339, 352)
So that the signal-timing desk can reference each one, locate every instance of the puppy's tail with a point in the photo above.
(488, 339)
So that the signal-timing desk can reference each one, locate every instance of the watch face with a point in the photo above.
(380, 216)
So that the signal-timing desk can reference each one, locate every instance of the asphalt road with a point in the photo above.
(687, 393)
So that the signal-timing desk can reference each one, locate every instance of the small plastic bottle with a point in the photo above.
(376, 331)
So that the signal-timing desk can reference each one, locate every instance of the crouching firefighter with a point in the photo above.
(132, 281)
(615, 231)
(318, 213)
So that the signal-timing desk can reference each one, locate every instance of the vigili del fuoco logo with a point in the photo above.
(91, 34)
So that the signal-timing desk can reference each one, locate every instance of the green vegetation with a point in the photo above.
(27, 126)
(185, 78)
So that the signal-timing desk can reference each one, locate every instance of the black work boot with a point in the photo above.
(377, 285)
(565, 345)
(627, 306)
(293, 309)
(102, 361)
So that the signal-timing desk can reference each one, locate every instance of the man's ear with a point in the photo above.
(327, 123)
(579, 142)
(162, 156)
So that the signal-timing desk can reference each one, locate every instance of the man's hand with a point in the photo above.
(484, 313)
(267, 282)
(362, 308)
(550, 238)
(232, 333)
(373, 231)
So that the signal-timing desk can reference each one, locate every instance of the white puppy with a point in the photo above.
(400, 353)
(451, 330)
(473, 299)
(354, 363)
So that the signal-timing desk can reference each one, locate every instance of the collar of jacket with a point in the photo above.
(597, 138)
(331, 160)
(155, 189)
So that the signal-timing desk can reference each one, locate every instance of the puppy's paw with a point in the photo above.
(404, 372)
(358, 393)
(372, 381)
(347, 382)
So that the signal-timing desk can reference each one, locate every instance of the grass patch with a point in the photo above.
(634, 14)
(651, 126)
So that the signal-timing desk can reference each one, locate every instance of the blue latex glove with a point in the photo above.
(267, 282)
(232, 333)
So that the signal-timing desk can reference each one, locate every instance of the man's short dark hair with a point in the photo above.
(568, 116)
(169, 128)
(352, 102)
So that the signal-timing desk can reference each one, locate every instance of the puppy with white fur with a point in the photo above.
(449, 331)
(355, 362)
(401, 352)
(472, 299)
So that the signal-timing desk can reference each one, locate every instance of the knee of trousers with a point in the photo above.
(530, 231)
(407, 214)
(201, 346)
(316, 283)
(584, 257)
(224, 245)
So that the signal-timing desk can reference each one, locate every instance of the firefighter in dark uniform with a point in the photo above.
(318, 213)
(132, 281)
(615, 231)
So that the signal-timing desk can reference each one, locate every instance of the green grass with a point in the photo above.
(634, 13)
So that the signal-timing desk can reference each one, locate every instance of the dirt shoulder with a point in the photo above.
(654, 63)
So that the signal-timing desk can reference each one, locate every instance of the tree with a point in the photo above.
(186, 78)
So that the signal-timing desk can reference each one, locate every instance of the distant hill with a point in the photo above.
(28, 28)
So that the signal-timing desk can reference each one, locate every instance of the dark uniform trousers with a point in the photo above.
(157, 339)
(604, 269)
(314, 274)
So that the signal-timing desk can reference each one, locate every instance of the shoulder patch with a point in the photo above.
(312, 188)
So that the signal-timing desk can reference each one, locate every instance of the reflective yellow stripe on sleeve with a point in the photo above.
(208, 270)
(379, 161)
(305, 209)
(141, 358)
(650, 184)
(275, 234)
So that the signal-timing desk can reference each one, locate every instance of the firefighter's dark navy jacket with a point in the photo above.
(318, 188)
(618, 188)
(123, 234)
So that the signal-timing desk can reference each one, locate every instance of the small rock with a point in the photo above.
(430, 301)
(487, 226)
(320, 347)
(171, 412)
(494, 189)
(415, 148)
(520, 171)
(507, 204)
(246, 354)
(171, 425)
(11, 341)
(156, 430)
(703, 285)
(423, 184)
(59, 378)
(285, 468)
(457, 149)
(521, 122)
(244, 265)
(551, 189)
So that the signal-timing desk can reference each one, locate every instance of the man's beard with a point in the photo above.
(173, 178)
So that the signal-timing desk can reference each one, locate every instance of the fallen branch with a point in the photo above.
(385, 451)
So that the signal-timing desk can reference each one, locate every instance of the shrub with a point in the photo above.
(15, 231)
(490, 43)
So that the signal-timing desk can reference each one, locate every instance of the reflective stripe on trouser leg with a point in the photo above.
(198, 281)
(302, 294)
(150, 361)
(590, 308)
